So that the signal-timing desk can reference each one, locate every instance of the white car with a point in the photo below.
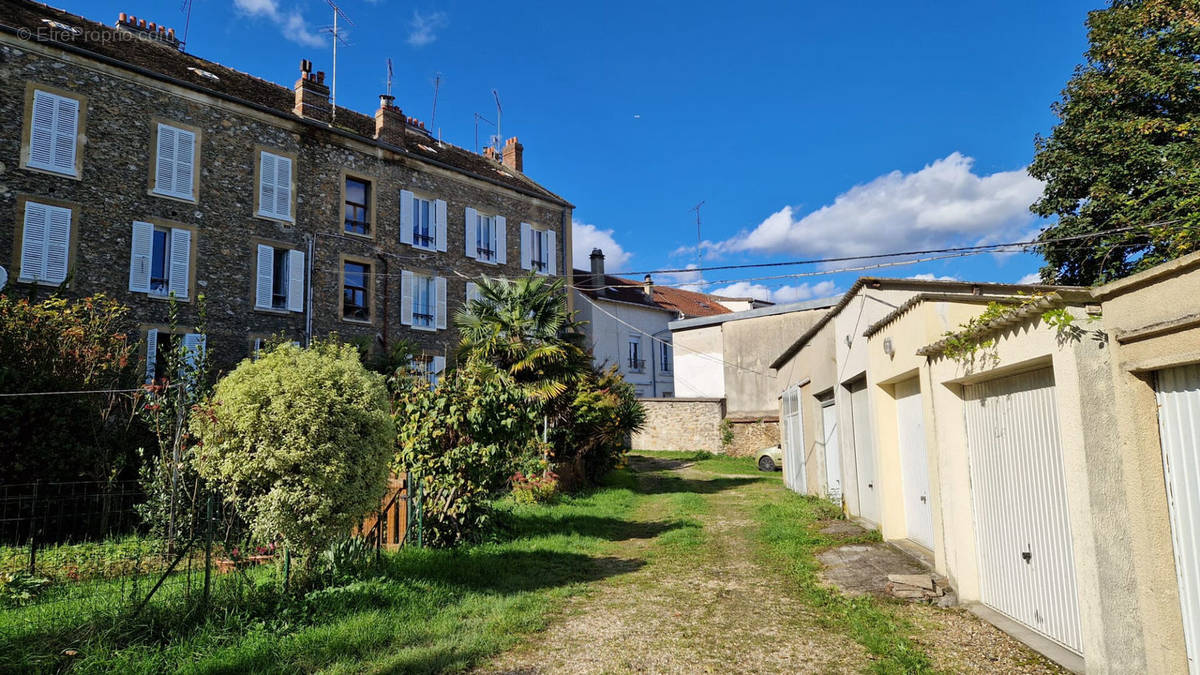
(770, 459)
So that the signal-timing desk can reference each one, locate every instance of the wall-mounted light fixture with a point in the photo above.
(888, 348)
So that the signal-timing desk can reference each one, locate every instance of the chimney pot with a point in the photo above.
(597, 260)
(389, 121)
(122, 17)
(142, 24)
(648, 287)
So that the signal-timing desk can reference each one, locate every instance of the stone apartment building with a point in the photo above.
(131, 168)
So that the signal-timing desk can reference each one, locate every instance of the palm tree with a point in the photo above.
(518, 331)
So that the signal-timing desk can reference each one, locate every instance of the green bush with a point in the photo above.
(299, 441)
(460, 442)
(592, 427)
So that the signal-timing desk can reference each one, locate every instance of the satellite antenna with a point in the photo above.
(389, 78)
(699, 241)
(499, 113)
(337, 37)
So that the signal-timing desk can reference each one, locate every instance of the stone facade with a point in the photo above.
(119, 111)
(751, 435)
(681, 424)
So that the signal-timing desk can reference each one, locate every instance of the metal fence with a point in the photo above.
(75, 549)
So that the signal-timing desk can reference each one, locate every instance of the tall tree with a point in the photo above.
(1126, 152)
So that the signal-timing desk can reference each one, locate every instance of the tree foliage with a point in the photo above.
(459, 441)
(299, 441)
(66, 345)
(1125, 152)
(593, 426)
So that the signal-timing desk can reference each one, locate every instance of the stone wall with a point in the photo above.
(751, 435)
(119, 110)
(681, 424)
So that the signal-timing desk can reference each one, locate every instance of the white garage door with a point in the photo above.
(914, 463)
(1026, 560)
(864, 453)
(793, 441)
(833, 452)
(1179, 424)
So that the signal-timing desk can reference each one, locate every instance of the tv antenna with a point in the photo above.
(499, 113)
(699, 241)
(187, 22)
(477, 118)
(389, 78)
(337, 37)
(437, 84)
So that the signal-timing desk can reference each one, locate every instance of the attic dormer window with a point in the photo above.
(205, 74)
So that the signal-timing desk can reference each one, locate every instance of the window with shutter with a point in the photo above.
(53, 133)
(45, 244)
(174, 166)
(181, 260)
(274, 186)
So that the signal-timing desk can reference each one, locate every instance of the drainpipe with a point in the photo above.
(308, 306)
(384, 313)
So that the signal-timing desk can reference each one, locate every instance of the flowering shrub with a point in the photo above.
(534, 489)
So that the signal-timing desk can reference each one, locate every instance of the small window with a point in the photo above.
(358, 192)
(424, 225)
(636, 362)
(485, 239)
(424, 302)
(53, 133)
(279, 273)
(280, 280)
(355, 277)
(665, 356)
(540, 255)
(160, 260)
(175, 162)
(160, 265)
(161, 345)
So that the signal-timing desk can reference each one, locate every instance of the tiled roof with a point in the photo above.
(683, 303)
(158, 59)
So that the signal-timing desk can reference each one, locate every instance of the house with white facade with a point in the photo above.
(625, 322)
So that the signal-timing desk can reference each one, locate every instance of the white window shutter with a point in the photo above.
(526, 246)
(501, 246)
(140, 257)
(439, 211)
(406, 297)
(58, 244)
(438, 366)
(256, 349)
(33, 242)
(406, 217)
(42, 131)
(266, 276)
(283, 187)
(439, 284)
(472, 219)
(181, 261)
(472, 292)
(66, 122)
(552, 253)
(295, 297)
(193, 350)
(266, 183)
(185, 157)
(151, 353)
(164, 168)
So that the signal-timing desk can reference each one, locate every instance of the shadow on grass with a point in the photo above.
(504, 571)
(657, 485)
(517, 525)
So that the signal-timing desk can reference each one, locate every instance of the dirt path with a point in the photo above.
(702, 603)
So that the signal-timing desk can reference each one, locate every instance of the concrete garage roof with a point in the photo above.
(700, 322)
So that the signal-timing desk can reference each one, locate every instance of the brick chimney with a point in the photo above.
(648, 287)
(512, 155)
(598, 283)
(490, 153)
(312, 94)
(149, 30)
(389, 122)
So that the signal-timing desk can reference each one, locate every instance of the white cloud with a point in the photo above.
(692, 280)
(290, 22)
(933, 277)
(423, 28)
(1031, 278)
(781, 295)
(586, 237)
(942, 203)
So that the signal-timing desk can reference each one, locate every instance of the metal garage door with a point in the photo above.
(864, 453)
(1179, 425)
(914, 463)
(793, 441)
(1026, 560)
(833, 452)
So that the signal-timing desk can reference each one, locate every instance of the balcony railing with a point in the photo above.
(637, 365)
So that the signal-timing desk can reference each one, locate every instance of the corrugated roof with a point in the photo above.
(157, 59)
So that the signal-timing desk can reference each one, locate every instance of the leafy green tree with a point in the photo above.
(1125, 153)
(519, 333)
(59, 345)
(299, 441)
(593, 427)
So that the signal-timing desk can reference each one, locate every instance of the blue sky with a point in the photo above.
(808, 129)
